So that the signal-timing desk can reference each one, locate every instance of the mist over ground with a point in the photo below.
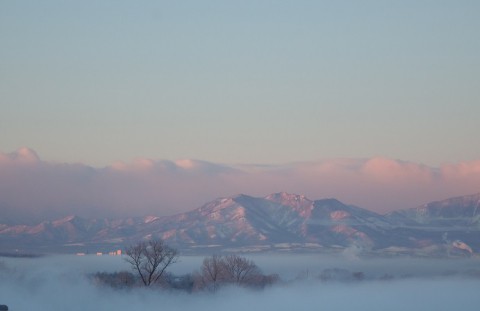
(62, 283)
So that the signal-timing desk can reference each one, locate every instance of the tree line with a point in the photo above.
(218, 270)
(149, 262)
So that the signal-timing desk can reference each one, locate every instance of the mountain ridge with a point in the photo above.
(279, 221)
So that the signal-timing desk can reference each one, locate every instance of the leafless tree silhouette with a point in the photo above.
(240, 270)
(151, 259)
(218, 270)
(212, 272)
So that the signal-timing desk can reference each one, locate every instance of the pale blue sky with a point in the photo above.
(240, 81)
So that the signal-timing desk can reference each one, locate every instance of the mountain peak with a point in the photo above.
(462, 211)
(299, 203)
(286, 198)
(464, 200)
(242, 196)
(329, 202)
(69, 218)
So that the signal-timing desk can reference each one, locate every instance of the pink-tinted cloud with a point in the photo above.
(34, 190)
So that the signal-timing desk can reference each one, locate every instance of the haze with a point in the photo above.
(417, 284)
(33, 190)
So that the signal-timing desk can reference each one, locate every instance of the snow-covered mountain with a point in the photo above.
(280, 221)
(462, 212)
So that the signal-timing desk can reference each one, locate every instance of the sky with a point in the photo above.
(240, 81)
(248, 89)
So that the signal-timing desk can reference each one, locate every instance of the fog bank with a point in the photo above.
(47, 284)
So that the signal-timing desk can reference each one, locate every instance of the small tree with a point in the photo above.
(151, 259)
(240, 270)
(212, 272)
(218, 270)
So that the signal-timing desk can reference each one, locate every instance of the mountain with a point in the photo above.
(279, 218)
(459, 212)
(280, 221)
(456, 220)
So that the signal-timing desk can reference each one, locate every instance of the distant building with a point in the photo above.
(461, 247)
(116, 253)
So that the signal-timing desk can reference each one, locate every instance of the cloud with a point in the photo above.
(22, 155)
(33, 190)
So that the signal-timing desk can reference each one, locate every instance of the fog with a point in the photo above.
(62, 283)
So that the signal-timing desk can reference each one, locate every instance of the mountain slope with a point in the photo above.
(462, 212)
(280, 220)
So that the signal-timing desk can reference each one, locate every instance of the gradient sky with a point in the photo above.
(240, 81)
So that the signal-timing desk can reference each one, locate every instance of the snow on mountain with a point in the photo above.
(150, 219)
(279, 219)
(298, 202)
(459, 212)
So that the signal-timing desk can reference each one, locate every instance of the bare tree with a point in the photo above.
(218, 270)
(151, 259)
(239, 270)
(212, 272)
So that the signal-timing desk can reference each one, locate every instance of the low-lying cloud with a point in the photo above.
(34, 190)
(43, 284)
